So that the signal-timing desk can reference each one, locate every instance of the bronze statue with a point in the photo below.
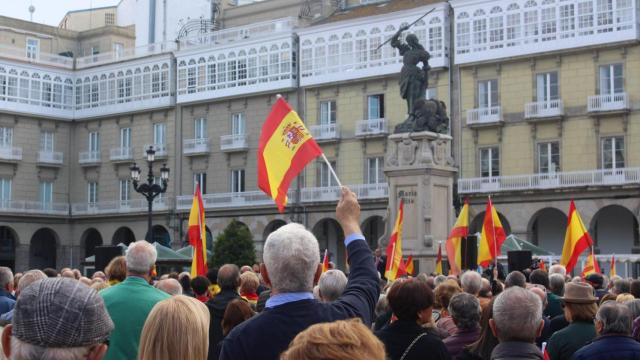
(423, 114)
(413, 79)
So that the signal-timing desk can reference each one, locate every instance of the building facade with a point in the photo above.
(542, 100)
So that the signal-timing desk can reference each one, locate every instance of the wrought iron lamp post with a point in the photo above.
(150, 190)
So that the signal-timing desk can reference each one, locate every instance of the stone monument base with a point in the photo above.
(420, 170)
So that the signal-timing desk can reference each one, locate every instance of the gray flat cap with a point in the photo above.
(61, 312)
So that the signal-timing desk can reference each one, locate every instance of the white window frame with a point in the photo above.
(328, 112)
(491, 152)
(6, 137)
(92, 193)
(237, 180)
(124, 186)
(238, 124)
(200, 128)
(606, 75)
(375, 173)
(375, 106)
(5, 191)
(325, 178)
(545, 87)
(32, 52)
(485, 97)
(159, 133)
(615, 142)
(46, 194)
(47, 141)
(200, 178)
(125, 137)
(94, 141)
(545, 152)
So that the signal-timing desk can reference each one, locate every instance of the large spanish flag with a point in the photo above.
(439, 260)
(394, 249)
(576, 239)
(285, 147)
(197, 235)
(591, 265)
(491, 237)
(454, 241)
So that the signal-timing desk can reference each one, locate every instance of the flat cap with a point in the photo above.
(61, 312)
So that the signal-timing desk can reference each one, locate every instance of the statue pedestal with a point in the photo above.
(420, 170)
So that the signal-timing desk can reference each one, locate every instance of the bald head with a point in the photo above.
(229, 277)
(29, 278)
(170, 286)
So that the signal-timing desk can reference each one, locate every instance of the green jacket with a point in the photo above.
(129, 303)
(554, 306)
(567, 341)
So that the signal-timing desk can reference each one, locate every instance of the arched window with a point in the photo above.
(252, 66)
(306, 58)
(435, 37)
(319, 57)
(548, 20)
(346, 56)
(333, 54)
(479, 30)
(361, 49)
(496, 28)
(375, 53)
(514, 24)
(36, 91)
(57, 92)
(463, 33)
(530, 22)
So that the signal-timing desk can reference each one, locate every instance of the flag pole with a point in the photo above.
(324, 157)
(493, 228)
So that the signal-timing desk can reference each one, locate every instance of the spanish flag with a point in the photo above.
(439, 260)
(197, 235)
(576, 239)
(590, 266)
(612, 272)
(454, 241)
(408, 268)
(491, 237)
(285, 147)
(325, 261)
(394, 249)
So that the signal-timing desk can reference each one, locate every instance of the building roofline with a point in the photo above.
(90, 9)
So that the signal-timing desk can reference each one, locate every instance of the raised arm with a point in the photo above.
(361, 294)
(395, 39)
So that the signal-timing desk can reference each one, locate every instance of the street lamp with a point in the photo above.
(150, 190)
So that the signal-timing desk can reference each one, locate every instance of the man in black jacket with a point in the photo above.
(291, 267)
(229, 281)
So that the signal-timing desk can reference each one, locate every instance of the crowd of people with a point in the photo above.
(288, 308)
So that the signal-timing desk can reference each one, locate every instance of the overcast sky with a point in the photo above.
(48, 12)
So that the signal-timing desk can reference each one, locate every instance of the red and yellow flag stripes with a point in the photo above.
(576, 239)
(285, 147)
(325, 261)
(612, 271)
(439, 260)
(591, 265)
(409, 265)
(394, 249)
(492, 236)
(197, 235)
(454, 241)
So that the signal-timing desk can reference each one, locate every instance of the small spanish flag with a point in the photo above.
(591, 265)
(576, 239)
(612, 271)
(284, 149)
(439, 260)
(197, 235)
(541, 265)
(454, 241)
(491, 237)
(395, 266)
(408, 267)
(325, 261)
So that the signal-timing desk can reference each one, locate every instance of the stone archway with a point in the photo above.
(373, 229)
(547, 228)
(89, 240)
(330, 236)
(123, 235)
(42, 249)
(614, 229)
(271, 227)
(8, 241)
(160, 235)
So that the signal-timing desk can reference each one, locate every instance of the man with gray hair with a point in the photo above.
(558, 269)
(170, 286)
(331, 285)
(27, 279)
(516, 322)
(515, 278)
(130, 302)
(229, 282)
(471, 282)
(58, 319)
(291, 267)
(556, 284)
(7, 301)
(613, 325)
(465, 311)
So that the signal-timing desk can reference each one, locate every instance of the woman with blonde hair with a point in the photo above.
(338, 340)
(181, 315)
(116, 271)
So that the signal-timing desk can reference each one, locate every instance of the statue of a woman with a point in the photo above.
(413, 79)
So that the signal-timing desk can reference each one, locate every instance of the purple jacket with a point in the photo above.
(460, 338)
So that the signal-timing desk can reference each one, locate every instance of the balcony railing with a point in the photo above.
(119, 206)
(325, 132)
(601, 177)
(196, 146)
(225, 200)
(34, 207)
(50, 157)
(89, 157)
(484, 116)
(10, 153)
(372, 127)
(237, 142)
(17, 53)
(161, 150)
(608, 102)
(130, 53)
(332, 193)
(241, 33)
(122, 154)
(544, 109)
